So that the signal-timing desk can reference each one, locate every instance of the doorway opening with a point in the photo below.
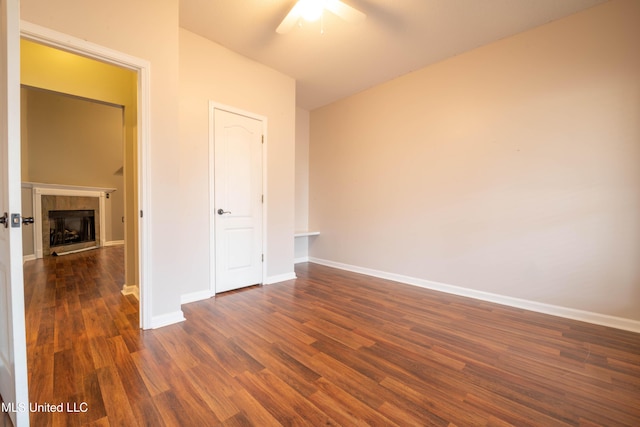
(112, 78)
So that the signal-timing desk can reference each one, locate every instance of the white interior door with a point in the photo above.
(238, 200)
(13, 349)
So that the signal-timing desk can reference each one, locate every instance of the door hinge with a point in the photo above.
(262, 257)
(262, 198)
(263, 139)
(141, 214)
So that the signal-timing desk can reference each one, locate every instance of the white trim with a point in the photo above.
(30, 257)
(144, 195)
(280, 278)
(212, 214)
(55, 191)
(78, 46)
(554, 310)
(301, 259)
(195, 296)
(167, 319)
(265, 144)
(212, 255)
(72, 44)
(114, 243)
(131, 290)
(27, 184)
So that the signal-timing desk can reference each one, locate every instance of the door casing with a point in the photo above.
(81, 47)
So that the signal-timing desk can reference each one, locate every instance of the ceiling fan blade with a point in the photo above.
(344, 11)
(290, 20)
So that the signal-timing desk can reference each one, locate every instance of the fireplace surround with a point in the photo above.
(53, 197)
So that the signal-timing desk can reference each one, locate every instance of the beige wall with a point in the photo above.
(146, 29)
(512, 169)
(28, 248)
(302, 182)
(302, 169)
(209, 72)
(73, 141)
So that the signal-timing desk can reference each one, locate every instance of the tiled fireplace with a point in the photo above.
(68, 218)
(69, 223)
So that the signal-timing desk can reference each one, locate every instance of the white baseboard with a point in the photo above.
(131, 290)
(167, 319)
(114, 243)
(280, 278)
(554, 310)
(195, 296)
(30, 257)
(301, 259)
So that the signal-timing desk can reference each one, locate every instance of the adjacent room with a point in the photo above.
(411, 214)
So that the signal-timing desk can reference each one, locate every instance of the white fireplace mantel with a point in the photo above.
(63, 187)
(42, 189)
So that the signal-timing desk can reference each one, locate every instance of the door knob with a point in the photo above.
(222, 212)
(3, 220)
(26, 220)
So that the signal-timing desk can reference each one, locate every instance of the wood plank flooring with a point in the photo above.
(330, 348)
(5, 421)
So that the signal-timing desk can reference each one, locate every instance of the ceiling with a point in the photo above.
(397, 37)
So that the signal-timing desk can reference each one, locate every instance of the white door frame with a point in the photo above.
(81, 47)
(212, 214)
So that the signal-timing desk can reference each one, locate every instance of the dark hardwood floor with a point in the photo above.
(5, 421)
(330, 348)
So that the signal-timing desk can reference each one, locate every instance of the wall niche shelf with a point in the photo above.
(306, 233)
